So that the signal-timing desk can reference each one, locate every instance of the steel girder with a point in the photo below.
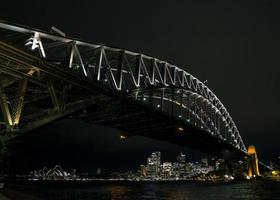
(134, 75)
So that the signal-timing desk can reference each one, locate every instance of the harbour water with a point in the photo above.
(251, 190)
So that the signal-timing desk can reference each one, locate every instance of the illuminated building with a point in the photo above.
(217, 165)
(176, 170)
(154, 159)
(167, 169)
(152, 171)
(181, 165)
(179, 170)
(153, 164)
(188, 168)
(143, 170)
(56, 173)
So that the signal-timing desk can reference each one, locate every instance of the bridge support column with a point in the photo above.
(54, 97)
(18, 105)
(5, 107)
(59, 99)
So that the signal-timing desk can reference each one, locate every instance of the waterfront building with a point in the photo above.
(188, 169)
(154, 159)
(217, 165)
(152, 171)
(180, 167)
(167, 170)
(176, 170)
(56, 173)
(179, 170)
(143, 171)
(154, 165)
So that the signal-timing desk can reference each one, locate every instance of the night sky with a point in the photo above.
(234, 45)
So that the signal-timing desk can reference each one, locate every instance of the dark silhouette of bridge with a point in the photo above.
(45, 76)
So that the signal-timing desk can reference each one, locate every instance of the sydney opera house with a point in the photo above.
(56, 173)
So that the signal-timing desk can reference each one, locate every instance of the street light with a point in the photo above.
(180, 130)
(123, 136)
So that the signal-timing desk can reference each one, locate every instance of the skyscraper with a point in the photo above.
(143, 170)
(181, 158)
(167, 169)
(153, 164)
(154, 159)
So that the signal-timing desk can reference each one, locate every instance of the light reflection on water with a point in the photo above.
(257, 190)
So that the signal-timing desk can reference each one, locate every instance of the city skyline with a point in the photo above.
(153, 166)
(156, 169)
(180, 168)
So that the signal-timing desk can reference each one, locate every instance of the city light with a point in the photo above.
(180, 129)
(156, 170)
(123, 136)
(178, 170)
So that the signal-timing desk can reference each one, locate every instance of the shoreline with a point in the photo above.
(104, 182)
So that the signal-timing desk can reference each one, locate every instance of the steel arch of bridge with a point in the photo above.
(156, 83)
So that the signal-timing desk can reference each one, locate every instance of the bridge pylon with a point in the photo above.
(252, 162)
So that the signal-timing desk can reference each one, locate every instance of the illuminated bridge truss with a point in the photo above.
(154, 83)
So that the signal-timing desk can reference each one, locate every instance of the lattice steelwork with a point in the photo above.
(150, 81)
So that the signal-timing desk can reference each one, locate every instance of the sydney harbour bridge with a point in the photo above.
(46, 76)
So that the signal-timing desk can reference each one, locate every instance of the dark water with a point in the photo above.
(164, 191)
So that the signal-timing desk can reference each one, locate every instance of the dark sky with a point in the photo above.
(232, 44)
